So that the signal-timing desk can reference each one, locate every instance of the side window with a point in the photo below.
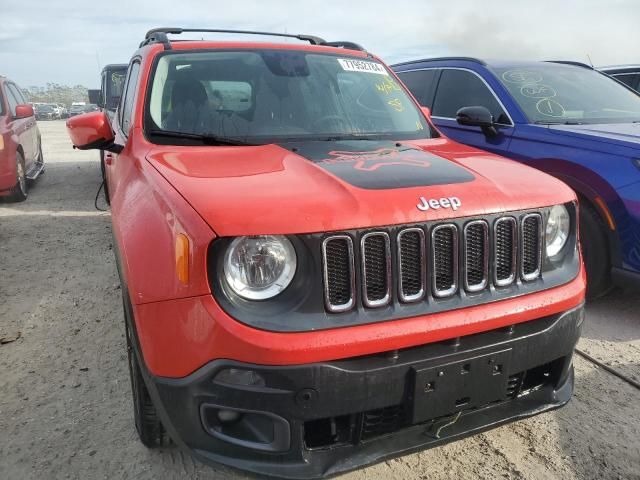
(631, 79)
(461, 88)
(421, 83)
(12, 99)
(17, 93)
(129, 98)
(626, 78)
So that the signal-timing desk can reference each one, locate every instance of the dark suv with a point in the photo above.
(627, 74)
(20, 146)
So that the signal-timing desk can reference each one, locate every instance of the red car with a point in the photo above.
(314, 277)
(21, 157)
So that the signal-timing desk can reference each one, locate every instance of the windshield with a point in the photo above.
(556, 93)
(265, 96)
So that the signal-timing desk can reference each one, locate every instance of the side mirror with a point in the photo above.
(92, 131)
(477, 117)
(24, 111)
(94, 97)
(426, 111)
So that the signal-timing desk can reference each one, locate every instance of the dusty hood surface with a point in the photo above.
(327, 186)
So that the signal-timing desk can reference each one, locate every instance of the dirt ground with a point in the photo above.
(65, 401)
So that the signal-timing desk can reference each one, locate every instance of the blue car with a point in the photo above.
(564, 118)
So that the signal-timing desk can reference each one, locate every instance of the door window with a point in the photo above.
(13, 99)
(129, 98)
(462, 88)
(421, 83)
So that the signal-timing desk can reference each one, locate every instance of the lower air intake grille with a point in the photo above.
(338, 272)
(381, 421)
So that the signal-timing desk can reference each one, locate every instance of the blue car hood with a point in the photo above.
(624, 134)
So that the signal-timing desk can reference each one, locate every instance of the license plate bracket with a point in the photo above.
(460, 385)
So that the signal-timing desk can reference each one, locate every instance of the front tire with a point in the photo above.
(595, 251)
(148, 424)
(19, 192)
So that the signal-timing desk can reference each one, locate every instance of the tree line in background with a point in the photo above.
(56, 93)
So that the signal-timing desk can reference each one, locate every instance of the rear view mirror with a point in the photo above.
(92, 131)
(426, 111)
(24, 111)
(477, 117)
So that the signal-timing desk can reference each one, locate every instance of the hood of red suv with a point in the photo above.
(327, 186)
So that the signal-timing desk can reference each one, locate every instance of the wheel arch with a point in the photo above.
(587, 193)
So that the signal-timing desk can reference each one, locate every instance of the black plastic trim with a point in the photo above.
(302, 393)
(301, 307)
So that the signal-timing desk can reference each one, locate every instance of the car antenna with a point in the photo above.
(590, 62)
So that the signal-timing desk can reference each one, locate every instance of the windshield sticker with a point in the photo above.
(350, 65)
(387, 86)
(537, 91)
(521, 76)
(396, 104)
(550, 108)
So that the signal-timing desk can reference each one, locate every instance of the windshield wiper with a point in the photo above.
(566, 122)
(206, 139)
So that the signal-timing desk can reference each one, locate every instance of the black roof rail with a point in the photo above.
(437, 59)
(348, 45)
(571, 62)
(159, 35)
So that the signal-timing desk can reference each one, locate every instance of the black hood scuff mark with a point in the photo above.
(381, 164)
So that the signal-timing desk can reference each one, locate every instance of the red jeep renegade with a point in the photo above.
(314, 277)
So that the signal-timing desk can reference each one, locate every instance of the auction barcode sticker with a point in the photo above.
(361, 66)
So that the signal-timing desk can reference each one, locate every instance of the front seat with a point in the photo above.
(189, 104)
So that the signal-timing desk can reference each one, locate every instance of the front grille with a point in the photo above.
(476, 255)
(339, 278)
(412, 263)
(376, 269)
(531, 246)
(434, 255)
(444, 244)
(504, 240)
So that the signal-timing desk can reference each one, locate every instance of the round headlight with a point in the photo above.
(557, 230)
(259, 267)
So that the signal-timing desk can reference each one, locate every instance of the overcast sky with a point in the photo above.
(69, 41)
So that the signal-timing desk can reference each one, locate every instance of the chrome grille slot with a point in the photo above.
(339, 273)
(444, 248)
(530, 246)
(412, 265)
(476, 255)
(376, 269)
(504, 247)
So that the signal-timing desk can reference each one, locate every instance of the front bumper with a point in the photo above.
(314, 420)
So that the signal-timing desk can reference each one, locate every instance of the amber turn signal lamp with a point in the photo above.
(607, 213)
(1, 143)
(182, 258)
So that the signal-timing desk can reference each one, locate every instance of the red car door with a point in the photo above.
(24, 128)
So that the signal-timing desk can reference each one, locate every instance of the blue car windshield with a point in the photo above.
(551, 93)
(269, 95)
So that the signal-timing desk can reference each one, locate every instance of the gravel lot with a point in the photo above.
(65, 401)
